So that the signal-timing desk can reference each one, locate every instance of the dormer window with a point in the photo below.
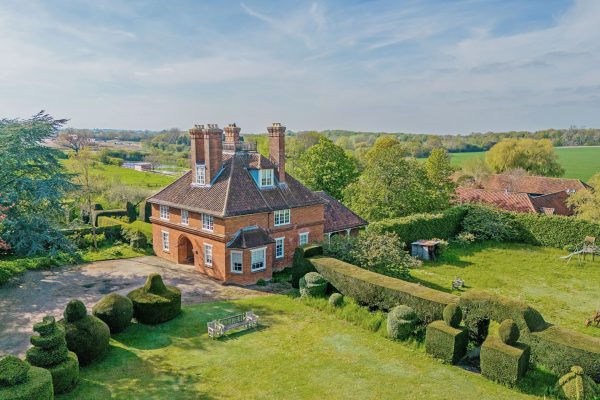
(265, 177)
(200, 174)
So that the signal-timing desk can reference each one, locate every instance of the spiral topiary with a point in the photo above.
(575, 385)
(452, 315)
(509, 332)
(154, 302)
(50, 352)
(312, 285)
(401, 322)
(20, 381)
(115, 310)
(336, 299)
(86, 335)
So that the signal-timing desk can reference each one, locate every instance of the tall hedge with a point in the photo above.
(443, 225)
(301, 266)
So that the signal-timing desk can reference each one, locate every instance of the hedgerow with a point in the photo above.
(503, 363)
(446, 342)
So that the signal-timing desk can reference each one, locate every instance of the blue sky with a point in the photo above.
(402, 66)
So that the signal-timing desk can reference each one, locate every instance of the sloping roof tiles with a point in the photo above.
(337, 216)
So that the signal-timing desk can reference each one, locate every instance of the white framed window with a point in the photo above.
(265, 177)
(207, 222)
(259, 257)
(164, 212)
(237, 262)
(200, 174)
(208, 255)
(185, 217)
(279, 247)
(282, 217)
(165, 240)
(303, 238)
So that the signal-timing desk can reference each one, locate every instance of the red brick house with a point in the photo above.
(238, 216)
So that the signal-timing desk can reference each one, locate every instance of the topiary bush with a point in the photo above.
(401, 322)
(20, 381)
(155, 302)
(503, 363)
(313, 285)
(115, 310)
(300, 265)
(509, 332)
(446, 342)
(575, 385)
(336, 299)
(86, 335)
(452, 315)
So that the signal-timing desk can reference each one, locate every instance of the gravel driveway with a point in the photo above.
(37, 293)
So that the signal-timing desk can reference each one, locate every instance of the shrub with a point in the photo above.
(465, 238)
(313, 285)
(401, 322)
(381, 291)
(336, 299)
(445, 342)
(154, 302)
(50, 352)
(488, 223)
(452, 315)
(301, 266)
(20, 381)
(115, 310)
(503, 363)
(509, 332)
(575, 385)
(384, 253)
(341, 247)
(87, 336)
(261, 282)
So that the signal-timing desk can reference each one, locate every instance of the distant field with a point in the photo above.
(578, 162)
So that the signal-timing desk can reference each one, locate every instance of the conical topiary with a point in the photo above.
(86, 335)
(575, 385)
(401, 322)
(20, 381)
(50, 351)
(155, 302)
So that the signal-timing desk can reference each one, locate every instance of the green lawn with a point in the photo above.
(566, 294)
(299, 352)
(578, 162)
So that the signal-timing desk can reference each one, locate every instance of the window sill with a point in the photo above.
(259, 270)
(208, 230)
(237, 272)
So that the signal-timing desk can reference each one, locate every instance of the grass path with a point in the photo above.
(299, 353)
(566, 294)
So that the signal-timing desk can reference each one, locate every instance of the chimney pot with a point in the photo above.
(232, 133)
(277, 148)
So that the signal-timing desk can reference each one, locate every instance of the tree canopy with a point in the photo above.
(587, 202)
(535, 156)
(33, 185)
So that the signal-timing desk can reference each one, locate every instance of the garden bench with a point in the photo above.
(219, 327)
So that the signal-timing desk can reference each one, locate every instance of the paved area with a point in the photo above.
(36, 293)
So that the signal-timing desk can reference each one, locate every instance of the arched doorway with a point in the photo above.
(185, 251)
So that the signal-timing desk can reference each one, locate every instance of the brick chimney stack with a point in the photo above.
(197, 151)
(232, 133)
(213, 151)
(277, 148)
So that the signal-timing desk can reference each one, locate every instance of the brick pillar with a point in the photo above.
(232, 133)
(277, 148)
(213, 151)
(197, 151)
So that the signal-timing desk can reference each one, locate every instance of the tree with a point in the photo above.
(34, 184)
(88, 186)
(74, 139)
(391, 185)
(535, 156)
(439, 171)
(587, 202)
(474, 172)
(326, 166)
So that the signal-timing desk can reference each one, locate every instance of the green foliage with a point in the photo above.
(115, 310)
(381, 291)
(503, 363)
(86, 335)
(586, 203)
(261, 282)
(439, 171)
(34, 186)
(443, 225)
(383, 253)
(488, 223)
(336, 299)
(509, 332)
(129, 231)
(13, 371)
(155, 302)
(576, 385)
(446, 342)
(535, 156)
(65, 375)
(452, 315)
(313, 285)
(37, 386)
(300, 265)
(401, 322)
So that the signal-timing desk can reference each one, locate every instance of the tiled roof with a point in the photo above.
(249, 238)
(554, 203)
(337, 216)
(508, 201)
(531, 184)
(234, 191)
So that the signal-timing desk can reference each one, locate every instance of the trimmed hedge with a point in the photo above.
(575, 385)
(382, 291)
(443, 225)
(503, 363)
(336, 299)
(155, 302)
(452, 315)
(401, 322)
(445, 342)
(110, 232)
(509, 332)
(127, 230)
(20, 381)
(313, 285)
(115, 310)
(301, 266)
(87, 336)
(121, 212)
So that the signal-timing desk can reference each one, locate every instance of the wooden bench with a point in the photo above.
(219, 327)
